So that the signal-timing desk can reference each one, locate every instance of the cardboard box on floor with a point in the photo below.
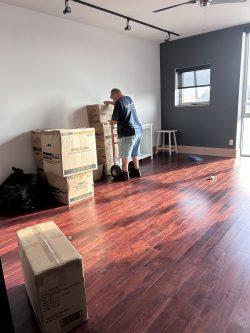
(36, 138)
(53, 276)
(107, 167)
(104, 143)
(107, 140)
(104, 159)
(99, 113)
(71, 189)
(37, 149)
(105, 154)
(97, 174)
(103, 131)
(107, 164)
(38, 160)
(69, 151)
(105, 151)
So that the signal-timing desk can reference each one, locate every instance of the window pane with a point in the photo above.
(203, 94)
(246, 137)
(188, 95)
(188, 79)
(203, 77)
(177, 97)
(248, 101)
(192, 95)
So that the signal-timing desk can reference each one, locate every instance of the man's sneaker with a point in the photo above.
(135, 173)
(124, 176)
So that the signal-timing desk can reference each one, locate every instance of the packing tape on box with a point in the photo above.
(53, 255)
(67, 133)
(80, 169)
(50, 156)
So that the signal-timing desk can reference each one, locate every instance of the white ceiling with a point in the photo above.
(187, 20)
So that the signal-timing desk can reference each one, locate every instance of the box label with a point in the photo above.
(69, 319)
(86, 195)
(80, 169)
(51, 157)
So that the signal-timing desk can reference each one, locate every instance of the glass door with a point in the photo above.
(245, 133)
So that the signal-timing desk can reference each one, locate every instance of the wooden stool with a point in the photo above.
(170, 148)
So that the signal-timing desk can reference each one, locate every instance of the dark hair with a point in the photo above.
(115, 91)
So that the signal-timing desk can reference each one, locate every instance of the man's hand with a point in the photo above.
(108, 102)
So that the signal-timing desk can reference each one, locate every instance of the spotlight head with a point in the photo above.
(67, 9)
(128, 27)
(204, 3)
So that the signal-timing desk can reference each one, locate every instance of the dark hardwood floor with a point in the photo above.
(169, 252)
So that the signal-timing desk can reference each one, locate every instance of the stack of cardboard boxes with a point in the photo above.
(66, 158)
(99, 116)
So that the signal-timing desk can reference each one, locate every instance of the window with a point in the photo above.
(193, 86)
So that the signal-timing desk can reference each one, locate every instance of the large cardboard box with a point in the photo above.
(104, 143)
(53, 277)
(99, 113)
(105, 155)
(71, 189)
(38, 160)
(103, 159)
(103, 129)
(107, 163)
(106, 151)
(36, 138)
(107, 168)
(97, 174)
(37, 149)
(103, 132)
(69, 151)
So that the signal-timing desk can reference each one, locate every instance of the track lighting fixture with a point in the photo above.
(128, 27)
(67, 9)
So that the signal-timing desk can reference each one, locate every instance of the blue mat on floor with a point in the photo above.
(195, 158)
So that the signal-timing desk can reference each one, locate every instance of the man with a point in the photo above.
(129, 131)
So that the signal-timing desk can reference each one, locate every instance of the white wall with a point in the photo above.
(51, 68)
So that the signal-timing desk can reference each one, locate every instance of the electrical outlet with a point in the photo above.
(231, 142)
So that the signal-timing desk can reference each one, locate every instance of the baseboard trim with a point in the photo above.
(221, 152)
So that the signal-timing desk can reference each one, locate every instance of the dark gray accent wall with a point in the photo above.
(215, 124)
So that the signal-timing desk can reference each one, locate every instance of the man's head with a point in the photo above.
(116, 94)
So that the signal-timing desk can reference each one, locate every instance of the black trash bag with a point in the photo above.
(22, 192)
